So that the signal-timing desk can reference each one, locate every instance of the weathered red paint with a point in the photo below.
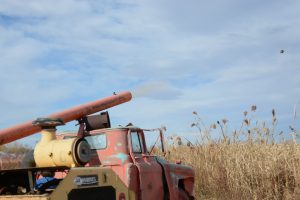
(149, 176)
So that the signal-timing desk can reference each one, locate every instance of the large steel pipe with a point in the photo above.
(23, 130)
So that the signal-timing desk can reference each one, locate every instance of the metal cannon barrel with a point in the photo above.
(23, 130)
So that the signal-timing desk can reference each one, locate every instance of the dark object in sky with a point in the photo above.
(282, 51)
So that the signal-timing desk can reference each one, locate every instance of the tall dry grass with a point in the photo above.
(251, 163)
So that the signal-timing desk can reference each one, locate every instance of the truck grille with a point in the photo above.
(95, 193)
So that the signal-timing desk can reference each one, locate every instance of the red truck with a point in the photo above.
(97, 162)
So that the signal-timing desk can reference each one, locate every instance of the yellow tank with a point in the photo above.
(50, 152)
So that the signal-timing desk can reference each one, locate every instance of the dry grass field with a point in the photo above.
(253, 162)
(250, 163)
(243, 170)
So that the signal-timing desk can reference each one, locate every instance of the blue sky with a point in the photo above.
(214, 57)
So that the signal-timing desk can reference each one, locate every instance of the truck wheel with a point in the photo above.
(183, 195)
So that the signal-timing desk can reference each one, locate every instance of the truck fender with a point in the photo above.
(180, 180)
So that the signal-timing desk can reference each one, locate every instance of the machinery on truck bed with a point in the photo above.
(97, 162)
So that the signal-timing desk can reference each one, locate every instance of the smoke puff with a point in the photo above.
(160, 90)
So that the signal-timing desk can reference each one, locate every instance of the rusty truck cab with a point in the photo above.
(124, 150)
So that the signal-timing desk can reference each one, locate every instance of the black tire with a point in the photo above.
(183, 195)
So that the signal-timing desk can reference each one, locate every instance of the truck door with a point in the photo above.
(150, 172)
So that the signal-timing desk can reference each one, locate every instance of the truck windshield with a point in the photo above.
(136, 143)
(97, 141)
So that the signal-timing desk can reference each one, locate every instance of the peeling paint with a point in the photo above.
(123, 157)
(119, 144)
(127, 173)
(128, 169)
(106, 162)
